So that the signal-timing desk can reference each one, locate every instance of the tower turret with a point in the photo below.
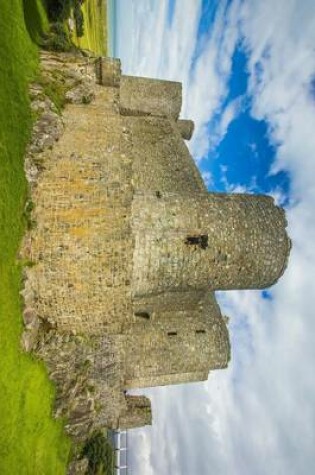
(146, 96)
(215, 241)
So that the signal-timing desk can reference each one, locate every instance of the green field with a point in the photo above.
(31, 441)
(95, 27)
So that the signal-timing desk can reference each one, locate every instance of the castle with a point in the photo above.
(129, 248)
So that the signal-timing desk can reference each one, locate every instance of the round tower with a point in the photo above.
(215, 241)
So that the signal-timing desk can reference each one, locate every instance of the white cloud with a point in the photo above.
(207, 87)
(258, 416)
(147, 52)
(279, 196)
(230, 112)
(267, 410)
(159, 49)
(207, 178)
(282, 65)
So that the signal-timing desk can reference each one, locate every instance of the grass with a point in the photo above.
(100, 454)
(35, 19)
(31, 441)
(95, 27)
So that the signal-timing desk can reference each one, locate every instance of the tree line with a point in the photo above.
(60, 10)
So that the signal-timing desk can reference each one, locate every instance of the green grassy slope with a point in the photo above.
(31, 442)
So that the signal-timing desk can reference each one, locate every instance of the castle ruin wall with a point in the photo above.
(194, 342)
(162, 161)
(147, 96)
(83, 241)
(128, 248)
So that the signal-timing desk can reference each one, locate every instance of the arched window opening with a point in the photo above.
(144, 315)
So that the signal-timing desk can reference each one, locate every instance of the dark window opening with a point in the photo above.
(200, 240)
(199, 332)
(158, 194)
(172, 333)
(145, 315)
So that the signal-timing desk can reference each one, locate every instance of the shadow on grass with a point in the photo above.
(35, 18)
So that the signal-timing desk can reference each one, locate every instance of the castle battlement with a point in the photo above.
(130, 246)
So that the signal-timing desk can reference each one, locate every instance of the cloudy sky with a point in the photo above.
(248, 73)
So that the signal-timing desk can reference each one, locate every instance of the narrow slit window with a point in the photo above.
(172, 333)
(144, 315)
(200, 332)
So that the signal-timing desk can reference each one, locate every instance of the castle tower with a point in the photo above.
(161, 159)
(214, 241)
(146, 96)
(176, 341)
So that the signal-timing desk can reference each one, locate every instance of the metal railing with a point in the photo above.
(119, 441)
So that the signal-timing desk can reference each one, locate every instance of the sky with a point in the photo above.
(248, 74)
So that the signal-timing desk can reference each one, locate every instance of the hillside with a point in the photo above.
(31, 440)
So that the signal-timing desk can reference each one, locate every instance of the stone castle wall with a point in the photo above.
(83, 243)
(162, 161)
(128, 247)
(168, 343)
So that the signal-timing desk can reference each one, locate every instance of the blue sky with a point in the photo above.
(244, 156)
(247, 68)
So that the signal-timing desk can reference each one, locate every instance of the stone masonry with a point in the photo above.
(129, 248)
